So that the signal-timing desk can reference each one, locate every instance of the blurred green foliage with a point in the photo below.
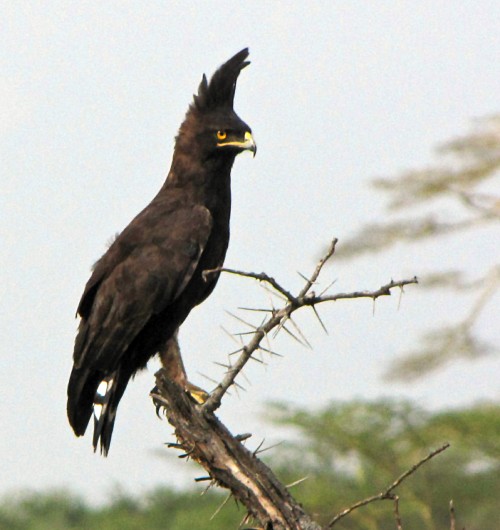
(348, 451)
(354, 450)
(162, 509)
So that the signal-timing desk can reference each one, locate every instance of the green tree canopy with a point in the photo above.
(353, 450)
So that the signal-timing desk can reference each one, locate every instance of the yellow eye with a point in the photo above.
(221, 135)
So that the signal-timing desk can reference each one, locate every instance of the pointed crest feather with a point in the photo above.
(219, 93)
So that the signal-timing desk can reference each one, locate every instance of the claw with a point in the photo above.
(156, 403)
(198, 394)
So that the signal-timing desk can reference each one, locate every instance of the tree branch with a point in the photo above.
(278, 317)
(387, 494)
(261, 276)
(205, 439)
(227, 461)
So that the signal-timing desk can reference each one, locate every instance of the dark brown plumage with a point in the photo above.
(145, 285)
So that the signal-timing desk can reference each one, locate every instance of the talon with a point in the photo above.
(198, 394)
(158, 405)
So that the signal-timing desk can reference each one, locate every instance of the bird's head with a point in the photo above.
(211, 123)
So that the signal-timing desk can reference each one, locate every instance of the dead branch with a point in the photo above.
(278, 317)
(388, 493)
(228, 462)
(261, 276)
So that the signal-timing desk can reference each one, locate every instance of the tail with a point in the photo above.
(82, 389)
(83, 397)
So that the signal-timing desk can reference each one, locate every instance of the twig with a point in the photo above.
(399, 524)
(452, 516)
(387, 494)
(319, 266)
(262, 277)
(385, 290)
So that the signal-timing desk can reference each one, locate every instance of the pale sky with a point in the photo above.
(91, 97)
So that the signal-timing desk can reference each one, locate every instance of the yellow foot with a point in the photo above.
(197, 393)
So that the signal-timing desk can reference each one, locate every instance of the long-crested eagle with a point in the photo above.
(145, 285)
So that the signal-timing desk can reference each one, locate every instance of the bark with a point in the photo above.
(228, 462)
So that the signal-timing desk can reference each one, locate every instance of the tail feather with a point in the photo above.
(83, 396)
(104, 423)
(82, 388)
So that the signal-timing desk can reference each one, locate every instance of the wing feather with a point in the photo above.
(148, 279)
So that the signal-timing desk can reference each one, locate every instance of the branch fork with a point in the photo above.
(227, 461)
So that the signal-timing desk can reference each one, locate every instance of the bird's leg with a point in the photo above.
(171, 360)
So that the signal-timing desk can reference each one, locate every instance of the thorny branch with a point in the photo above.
(278, 317)
(388, 493)
(228, 463)
(202, 437)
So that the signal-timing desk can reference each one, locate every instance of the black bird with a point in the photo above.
(150, 278)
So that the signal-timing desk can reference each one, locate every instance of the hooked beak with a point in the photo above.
(248, 143)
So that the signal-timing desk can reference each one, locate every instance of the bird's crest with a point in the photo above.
(219, 93)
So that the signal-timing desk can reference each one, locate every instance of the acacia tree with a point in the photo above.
(458, 195)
